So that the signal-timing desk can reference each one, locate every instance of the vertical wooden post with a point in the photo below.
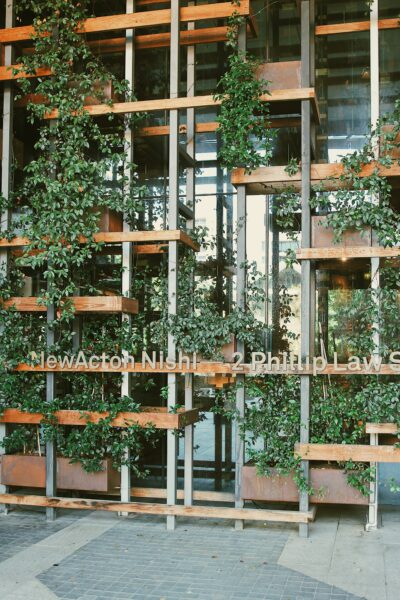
(173, 222)
(6, 171)
(307, 325)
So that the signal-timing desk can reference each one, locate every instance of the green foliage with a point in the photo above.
(243, 119)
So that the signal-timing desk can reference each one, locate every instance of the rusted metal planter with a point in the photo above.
(277, 488)
(323, 237)
(30, 471)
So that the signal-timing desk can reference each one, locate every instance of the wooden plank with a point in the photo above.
(208, 368)
(354, 27)
(6, 73)
(212, 126)
(82, 304)
(150, 248)
(119, 237)
(159, 417)
(206, 512)
(345, 253)
(287, 95)
(345, 452)
(136, 20)
(201, 495)
(390, 428)
(270, 179)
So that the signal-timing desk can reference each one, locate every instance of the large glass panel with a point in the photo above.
(388, 9)
(389, 68)
(343, 89)
(341, 11)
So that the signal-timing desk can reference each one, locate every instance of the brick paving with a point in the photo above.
(137, 558)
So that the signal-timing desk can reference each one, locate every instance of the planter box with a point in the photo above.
(283, 489)
(281, 75)
(109, 220)
(30, 471)
(323, 237)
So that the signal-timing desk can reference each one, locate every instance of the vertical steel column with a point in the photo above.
(372, 522)
(191, 201)
(173, 201)
(306, 322)
(6, 175)
(51, 446)
(126, 384)
(241, 303)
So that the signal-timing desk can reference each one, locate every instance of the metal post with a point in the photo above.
(51, 446)
(6, 175)
(191, 201)
(306, 320)
(241, 303)
(126, 383)
(173, 202)
(372, 522)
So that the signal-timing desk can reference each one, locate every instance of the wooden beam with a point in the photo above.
(212, 126)
(390, 428)
(270, 179)
(354, 27)
(345, 452)
(155, 416)
(82, 304)
(201, 495)
(206, 512)
(207, 368)
(119, 237)
(346, 252)
(137, 20)
(96, 110)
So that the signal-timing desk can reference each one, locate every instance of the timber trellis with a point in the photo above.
(183, 32)
(148, 242)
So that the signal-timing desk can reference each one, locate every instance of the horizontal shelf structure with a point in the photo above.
(82, 304)
(390, 428)
(159, 417)
(158, 130)
(207, 368)
(356, 26)
(271, 179)
(117, 237)
(206, 512)
(346, 252)
(284, 95)
(137, 20)
(345, 452)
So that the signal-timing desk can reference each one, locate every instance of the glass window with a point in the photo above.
(343, 90)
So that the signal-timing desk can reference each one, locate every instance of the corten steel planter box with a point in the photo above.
(30, 471)
(323, 237)
(277, 488)
(281, 75)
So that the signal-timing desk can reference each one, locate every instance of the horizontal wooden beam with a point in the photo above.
(345, 452)
(145, 508)
(82, 304)
(117, 237)
(390, 428)
(346, 252)
(137, 20)
(201, 495)
(155, 416)
(165, 104)
(271, 179)
(356, 26)
(206, 368)
(158, 130)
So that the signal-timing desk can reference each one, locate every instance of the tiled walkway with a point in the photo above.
(99, 556)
